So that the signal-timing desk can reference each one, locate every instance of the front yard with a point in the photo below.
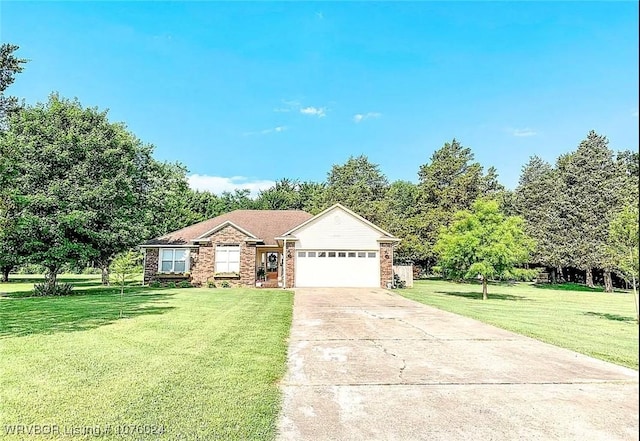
(181, 364)
(598, 324)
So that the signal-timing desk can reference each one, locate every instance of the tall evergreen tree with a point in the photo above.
(540, 199)
(450, 182)
(592, 182)
(359, 185)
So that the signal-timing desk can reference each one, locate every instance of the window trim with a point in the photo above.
(187, 260)
(218, 258)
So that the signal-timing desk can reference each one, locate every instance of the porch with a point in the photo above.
(269, 267)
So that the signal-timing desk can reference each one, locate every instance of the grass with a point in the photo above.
(200, 363)
(597, 324)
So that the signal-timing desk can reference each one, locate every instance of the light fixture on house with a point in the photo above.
(288, 254)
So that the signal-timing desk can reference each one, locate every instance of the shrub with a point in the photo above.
(60, 289)
(225, 284)
(211, 284)
(398, 282)
(155, 284)
(170, 284)
(91, 270)
(30, 268)
(185, 284)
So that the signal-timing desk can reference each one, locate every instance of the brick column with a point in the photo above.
(150, 264)
(248, 264)
(386, 264)
(291, 263)
(203, 261)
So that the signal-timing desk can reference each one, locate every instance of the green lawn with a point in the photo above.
(201, 363)
(594, 323)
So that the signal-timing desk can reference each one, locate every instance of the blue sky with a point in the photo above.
(246, 93)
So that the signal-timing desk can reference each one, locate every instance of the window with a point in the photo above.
(227, 259)
(322, 254)
(302, 254)
(371, 254)
(342, 254)
(332, 254)
(174, 260)
(352, 254)
(362, 254)
(312, 254)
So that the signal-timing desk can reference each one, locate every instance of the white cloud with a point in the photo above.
(522, 133)
(359, 117)
(320, 15)
(320, 112)
(219, 184)
(267, 131)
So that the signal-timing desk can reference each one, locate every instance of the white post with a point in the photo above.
(284, 270)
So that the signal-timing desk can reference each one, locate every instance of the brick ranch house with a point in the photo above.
(275, 248)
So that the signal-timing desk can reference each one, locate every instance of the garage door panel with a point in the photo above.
(341, 268)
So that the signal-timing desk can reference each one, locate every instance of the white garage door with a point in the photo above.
(351, 268)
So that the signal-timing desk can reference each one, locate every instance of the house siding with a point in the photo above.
(337, 230)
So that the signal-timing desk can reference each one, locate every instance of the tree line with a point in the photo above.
(76, 188)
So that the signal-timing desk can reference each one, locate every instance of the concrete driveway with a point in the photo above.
(367, 364)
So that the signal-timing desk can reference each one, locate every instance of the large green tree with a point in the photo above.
(483, 242)
(359, 185)
(399, 210)
(451, 181)
(540, 199)
(287, 194)
(86, 183)
(10, 65)
(625, 247)
(593, 184)
(283, 195)
(10, 242)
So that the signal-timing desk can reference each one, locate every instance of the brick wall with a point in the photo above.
(203, 267)
(150, 264)
(291, 264)
(247, 264)
(202, 264)
(386, 264)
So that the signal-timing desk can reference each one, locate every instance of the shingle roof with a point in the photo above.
(264, 224)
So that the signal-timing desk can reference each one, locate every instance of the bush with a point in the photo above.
(155, 284)
(211, 284)
(30, 268)
(170, 284)
(185, 284)
(60, 289)
(398, 282)
(91, 270)
(225, 284)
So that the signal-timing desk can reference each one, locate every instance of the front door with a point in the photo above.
(271, 265)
